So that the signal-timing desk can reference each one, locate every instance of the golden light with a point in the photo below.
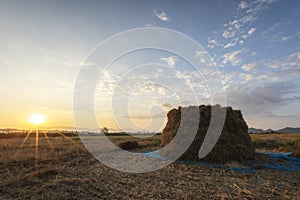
(37, 119)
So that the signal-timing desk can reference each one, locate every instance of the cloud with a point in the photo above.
(201, 53)
(107, 84)
(236, 31)
(146, 117)
(162, 91)
(233, 57)
(270, 29)
(286, 38)
(243, 5)
(212, 43)
(250, 66)
(171, 61)
(204, 58)
(229, 44)
(229, 34)
(167, 105)
(150, 88)
(184, 74)
(140, 117)
(251, 31)
(161, 15)
(262, 98)
(260, 91)
(87, 63)
(290, 65)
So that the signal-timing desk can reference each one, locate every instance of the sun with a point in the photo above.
(37, 118)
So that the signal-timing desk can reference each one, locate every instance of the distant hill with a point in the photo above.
(258, 130)
(283, 130)
(255, 130)
(269, 130)
(288, 130)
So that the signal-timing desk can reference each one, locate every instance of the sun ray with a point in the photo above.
(26, 138)
(66, 137)
(48, 140)
(36, 146)
(37, 119)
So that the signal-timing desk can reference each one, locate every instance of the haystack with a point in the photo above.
(129, 145)
(234, 143)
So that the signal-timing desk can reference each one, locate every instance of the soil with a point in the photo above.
(77, 175)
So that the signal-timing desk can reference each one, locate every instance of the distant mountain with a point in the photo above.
(258, 130)
(283, 130)
(269, 130)
(255, 130)
(288, 130)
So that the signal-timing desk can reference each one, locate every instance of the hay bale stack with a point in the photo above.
(234, 143)
(129, 145)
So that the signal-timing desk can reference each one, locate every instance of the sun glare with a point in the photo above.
(37, 119)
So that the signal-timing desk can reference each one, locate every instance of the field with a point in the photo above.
(277, 142)
(65, 170)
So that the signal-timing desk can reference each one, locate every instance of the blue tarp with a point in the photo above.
(278, 161)
(154, 154)
(289, 164)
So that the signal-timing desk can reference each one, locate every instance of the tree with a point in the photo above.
(105, 130)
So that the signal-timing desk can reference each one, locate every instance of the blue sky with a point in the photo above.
(255, 45)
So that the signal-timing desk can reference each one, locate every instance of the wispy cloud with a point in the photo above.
(229, 34)
(233, 57)
(285, 38)
(161, 15)
(251, 31)
(250, 66)
(243, 5)
(171, 61)
(204, 59)
(232, 43)
(87, 63)
(259, 91)
(167, 105)
(107, 84)
(151, 87)
(270, 29)
(298, 35)
(236, 31)
(212, 43)
(146, 117)
(288, 66)
(139, 117)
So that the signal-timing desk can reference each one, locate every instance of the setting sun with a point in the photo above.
(37, 118)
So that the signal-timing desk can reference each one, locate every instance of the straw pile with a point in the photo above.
(234, 144)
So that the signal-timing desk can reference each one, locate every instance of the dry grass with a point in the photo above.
(282, 138)
(276, 142)
(144, 143)
(68, 171)
(13, 151)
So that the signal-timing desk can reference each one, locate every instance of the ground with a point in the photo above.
(68, 171)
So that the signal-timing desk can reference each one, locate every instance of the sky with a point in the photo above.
(254, 45)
